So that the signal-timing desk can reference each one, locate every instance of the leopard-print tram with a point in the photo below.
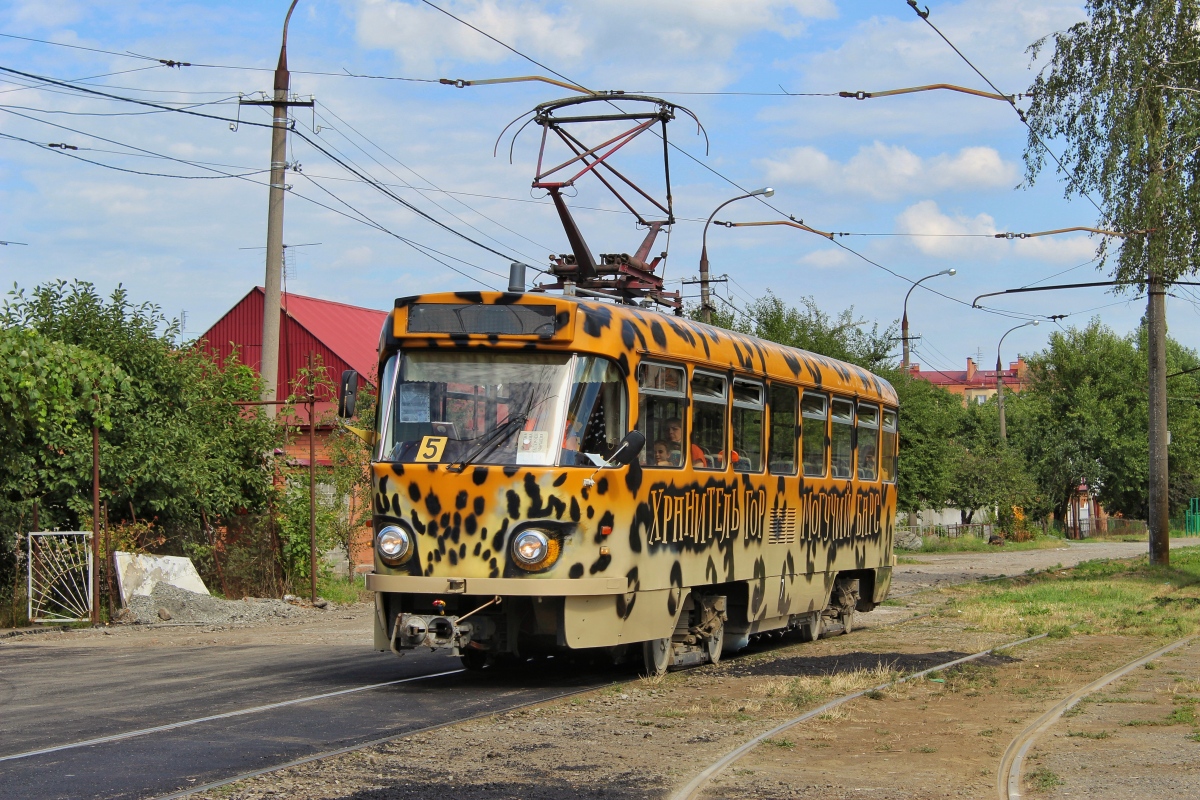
(553, 473)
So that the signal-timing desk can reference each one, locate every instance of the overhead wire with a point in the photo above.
(924, 15)
(426, 180)
(711, 169)
(143, 152)
(64, 152)
(380, 186)
(316, 144)
(425, 249)
(23, 87)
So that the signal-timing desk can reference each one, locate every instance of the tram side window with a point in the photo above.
(868, 441)
(887, 449)
(815, 411)
(708, 421)
(782, 446)
(596, 413)
(841, 438)
(662, 398)
(747, 426)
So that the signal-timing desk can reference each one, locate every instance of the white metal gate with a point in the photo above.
(59, 575)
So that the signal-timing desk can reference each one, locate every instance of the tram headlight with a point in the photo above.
(534, 550)
(394, 545)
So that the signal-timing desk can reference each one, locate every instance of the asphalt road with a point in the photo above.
(57, 696)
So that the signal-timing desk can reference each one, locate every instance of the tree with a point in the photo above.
(175, 446)
(929, 420)
(1120, 91)
(350, 475)
(809, 328)
(1082, 419)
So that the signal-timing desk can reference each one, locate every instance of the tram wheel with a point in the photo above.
(810, 630)
(473, 659)
(656, 657)
(714, 644)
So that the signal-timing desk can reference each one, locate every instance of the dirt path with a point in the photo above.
(933, 570)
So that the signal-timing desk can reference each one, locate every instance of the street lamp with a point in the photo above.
(1000, 381)
(705, 308)
(904, 319)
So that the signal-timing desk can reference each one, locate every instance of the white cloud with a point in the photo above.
(1057, 249)
(39, 14)
(941, 235)
(885, 171)
(630, 42)
(949, 236)
(825, 259)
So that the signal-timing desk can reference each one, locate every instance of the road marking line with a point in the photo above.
(239, 713)
(191, 790)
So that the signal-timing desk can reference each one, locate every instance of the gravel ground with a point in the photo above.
(1138, 737)
(171, 604)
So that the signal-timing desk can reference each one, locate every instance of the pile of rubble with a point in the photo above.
(168, 603)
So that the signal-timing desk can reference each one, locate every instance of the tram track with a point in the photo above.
(696, 785)
(1008, 781)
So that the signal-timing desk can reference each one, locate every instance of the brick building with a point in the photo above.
(976, 385)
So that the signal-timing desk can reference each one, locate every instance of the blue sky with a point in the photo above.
(931, 163)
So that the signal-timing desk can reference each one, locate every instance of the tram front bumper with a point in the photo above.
(490, 587)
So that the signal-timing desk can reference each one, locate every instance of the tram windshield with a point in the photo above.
(496, 408)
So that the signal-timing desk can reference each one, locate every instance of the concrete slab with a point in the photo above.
(137, 574)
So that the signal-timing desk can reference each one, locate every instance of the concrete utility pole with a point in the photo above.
(272, 285)
(1156, 322)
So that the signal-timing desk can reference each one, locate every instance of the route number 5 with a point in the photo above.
(431, 448)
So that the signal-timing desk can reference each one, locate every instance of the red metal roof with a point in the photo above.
(352, 332)
(341, 336)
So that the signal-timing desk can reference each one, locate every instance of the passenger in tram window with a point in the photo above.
(675, 437)
(866, 462)
(662, 454)
(675, 434)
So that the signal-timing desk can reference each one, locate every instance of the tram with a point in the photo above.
(581, 472)
(554, 473)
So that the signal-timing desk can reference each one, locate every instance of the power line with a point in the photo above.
(142, 152)
(414, 172)
(64, 152)
(424, 249)
(924, 15)
(190, 112)
(728, 180)
(23, 87)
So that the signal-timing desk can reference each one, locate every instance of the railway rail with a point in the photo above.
(1012, 762)
(1008, 781)
(696, 785)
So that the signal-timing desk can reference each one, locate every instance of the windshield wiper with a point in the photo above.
(495, 438)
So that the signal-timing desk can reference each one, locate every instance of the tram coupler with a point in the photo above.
(435, 632)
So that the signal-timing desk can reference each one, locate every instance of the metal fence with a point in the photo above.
(982, 530)
(1077, 529)
(59, 576)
